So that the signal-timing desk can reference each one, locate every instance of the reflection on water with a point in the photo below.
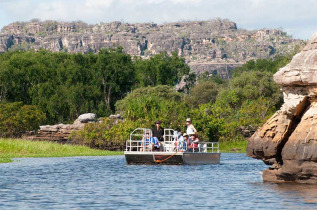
(108, 183)
(301, 192)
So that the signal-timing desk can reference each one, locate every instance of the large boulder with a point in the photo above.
(87, 117)
(288, 140)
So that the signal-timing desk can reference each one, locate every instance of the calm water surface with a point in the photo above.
(108, 183)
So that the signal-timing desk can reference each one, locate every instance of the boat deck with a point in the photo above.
(171, 151)
(171, 158)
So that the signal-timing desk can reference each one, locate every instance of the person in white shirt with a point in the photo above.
(190, 127)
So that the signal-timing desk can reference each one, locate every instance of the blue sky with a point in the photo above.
(297, 18)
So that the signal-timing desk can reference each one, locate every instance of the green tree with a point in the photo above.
(66, 85)
(160, 69)
(16, 119)
(203, 93)
(150, 104)
(114, 74)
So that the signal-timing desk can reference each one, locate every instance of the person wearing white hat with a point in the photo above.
(190, 128)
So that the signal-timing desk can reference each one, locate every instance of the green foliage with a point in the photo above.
(141, 108)
(209, 127)
(109, 134)
(160, 91)
(160, 69)
(153, 103)
(16, 119)
(66, 85)
(234, 146)
(207, 77)
(114, 74)
(255, 84)
(255, 112)
(267, 65)
(204, 92)
(17, 148)
(218, 108)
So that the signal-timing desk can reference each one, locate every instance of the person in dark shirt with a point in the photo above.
(158, 131)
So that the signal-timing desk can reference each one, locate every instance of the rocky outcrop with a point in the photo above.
(288, 140)
(214, 46)
(61, 132)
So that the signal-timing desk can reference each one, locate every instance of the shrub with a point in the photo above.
(110, 134)
(16, 119)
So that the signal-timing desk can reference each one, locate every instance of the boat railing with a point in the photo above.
(204, 147)
(136, 138)
(174, 146)
(169, 134)
(171, 143)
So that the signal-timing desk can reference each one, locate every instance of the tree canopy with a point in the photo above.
(64, 86)
(58, 87)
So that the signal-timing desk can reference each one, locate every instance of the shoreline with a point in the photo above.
(21, 148)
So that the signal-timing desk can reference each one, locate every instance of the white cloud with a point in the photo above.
(170, 1)
(296, 17)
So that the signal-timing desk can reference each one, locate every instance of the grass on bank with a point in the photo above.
(234, 146)
(18, 148)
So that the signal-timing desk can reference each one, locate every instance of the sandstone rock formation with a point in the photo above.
(215, 46)
(60, 132)
(288, 140)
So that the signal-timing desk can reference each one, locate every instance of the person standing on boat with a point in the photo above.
(158, 131)
(190, 127)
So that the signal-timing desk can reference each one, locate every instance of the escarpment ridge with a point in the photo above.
(215, 46)
(288, 140)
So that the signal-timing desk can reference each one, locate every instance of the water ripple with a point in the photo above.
(108, 183)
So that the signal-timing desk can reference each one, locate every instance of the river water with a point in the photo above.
(108, 183)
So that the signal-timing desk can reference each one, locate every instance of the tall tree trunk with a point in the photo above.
(109, 97)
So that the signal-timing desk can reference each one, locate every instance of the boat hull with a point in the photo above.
(164, 158)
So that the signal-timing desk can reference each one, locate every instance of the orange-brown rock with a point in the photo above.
(288, 140)
(265, 142)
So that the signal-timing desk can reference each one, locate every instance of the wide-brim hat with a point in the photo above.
(185, 134)
(158, 122)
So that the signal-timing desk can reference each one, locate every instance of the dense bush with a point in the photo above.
(141, 108)
(66, 85)
(204, 92)
(109, 134)
(160, 69)
(218, 108)
(154, 103)
(16, 119)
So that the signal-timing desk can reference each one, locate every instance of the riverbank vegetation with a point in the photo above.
(45, 88)
(224, 111)
(63, 86)
(19, 148)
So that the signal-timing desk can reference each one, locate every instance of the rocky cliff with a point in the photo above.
(288, 140)
(215, 46)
